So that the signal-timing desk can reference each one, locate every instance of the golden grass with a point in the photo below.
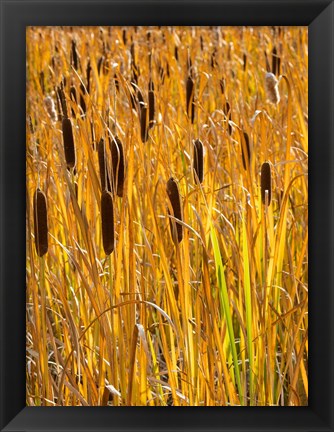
(117, 313)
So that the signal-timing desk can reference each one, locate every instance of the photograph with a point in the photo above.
(167, 216)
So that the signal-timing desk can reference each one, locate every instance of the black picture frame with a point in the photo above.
(318, 15)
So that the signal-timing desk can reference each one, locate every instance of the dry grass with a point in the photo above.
(117, 312)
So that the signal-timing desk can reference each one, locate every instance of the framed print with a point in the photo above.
(166, 179)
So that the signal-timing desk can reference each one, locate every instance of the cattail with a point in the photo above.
(244, 61)
(73, 96)
(82, 102)
(143, 123)
(88, 74)
(176, 53)
(41, 81)
(103, 165)
(279, 60)
(62, 99)
(267, 62)
(266, 183)
(167, 69)
(190, 91)
(40, 223)
(117, 164)
(174, 197)
(274, 60)
(245, 150)
(50, 107)
(228, 113)
(222, 85)
(99, 64)
(74, 59)
(124, 37)
(271, 84)
(68, 142)
(58, 102)
(198, 161)
(107, 213)
(116, 80)
(151, 104)
(213, 59)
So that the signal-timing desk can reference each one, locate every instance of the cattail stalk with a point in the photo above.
(198, 161)
(107, 214)
(40, 223)
(175, 200)
(266, 183)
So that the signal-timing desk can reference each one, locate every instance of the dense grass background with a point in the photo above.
(220, 318)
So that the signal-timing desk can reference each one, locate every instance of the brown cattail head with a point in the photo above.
(244, 61)
(74, 56)
(143, 123)
(88, 74)
(175, 200)
(117, 165)
(190, 93)
(107, 213)
(68, 142)
(245, 149)
(151, 104)
(40, 223)
(266, 183)
(198, 161)
(272, 88)
(103, 165)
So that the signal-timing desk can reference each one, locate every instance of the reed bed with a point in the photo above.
(167, 224)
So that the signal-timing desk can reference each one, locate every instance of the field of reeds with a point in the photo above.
(167, 216)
